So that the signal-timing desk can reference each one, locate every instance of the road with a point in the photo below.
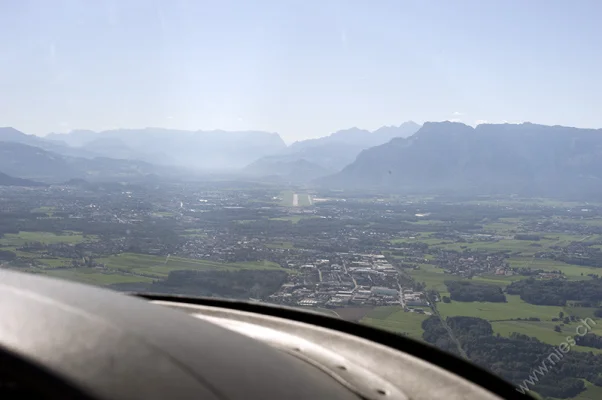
(450, 333)
(403, 304)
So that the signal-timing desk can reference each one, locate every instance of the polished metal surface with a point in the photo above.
(112, 346)
(370, 369)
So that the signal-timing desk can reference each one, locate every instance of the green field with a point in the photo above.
(513, 308)
(163, 214)
(525, 247)
(394, 319)
(498, 280)
(51, 262)
(433, 277)
(592, 392)
(194, 233)
(419, 238)
(287, 198)
(160, 267)
(569, 270)
(49, 211)
(17, 240)
(522, 254)
(504, 226)
(293, 218)
(544, 331)
(95, 277)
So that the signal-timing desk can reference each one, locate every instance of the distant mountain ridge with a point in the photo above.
(213, 151)
(335, 151)
(440, 157)
(6, 180)
(491, 158)
(9, 134)
(361, 137)
(208, 150)
(28, 162)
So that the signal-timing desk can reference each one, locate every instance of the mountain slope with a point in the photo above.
(9, 134)
(30, 162)
(360, 137)
(6, 180)
(446, 156)
(209, 150)
(340, 148)
(23, 161)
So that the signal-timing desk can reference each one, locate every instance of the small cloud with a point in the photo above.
(457, 113)
(455, 120)
(480, 121)
(169, 117)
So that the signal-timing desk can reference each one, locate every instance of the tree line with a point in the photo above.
(472, 291)
(515, 357)
(556, 292)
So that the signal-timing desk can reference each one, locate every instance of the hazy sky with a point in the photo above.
(300, 68)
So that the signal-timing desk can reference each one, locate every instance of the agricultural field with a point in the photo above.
(433, 277)
(95, 277)
(160, 267)
(293, 218)
(354, 314)
(194, 233)
(592, 392)
(544, 331)
(49, 211)
(287, 198)
(394, 319)
(325, 311)
(17, 240)
(419, 238)
(513, 308)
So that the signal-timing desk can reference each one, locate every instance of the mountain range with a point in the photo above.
(313, 158)
(130, 152)
(440, 157)
(29, 162)
(7, 180)
(204, 150)
(491, 158)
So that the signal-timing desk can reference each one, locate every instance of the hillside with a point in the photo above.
(446, 156)
(9, 134)
(28, 162)
(360, 137)
(7, 180)
(339, 149)
(207, 150)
